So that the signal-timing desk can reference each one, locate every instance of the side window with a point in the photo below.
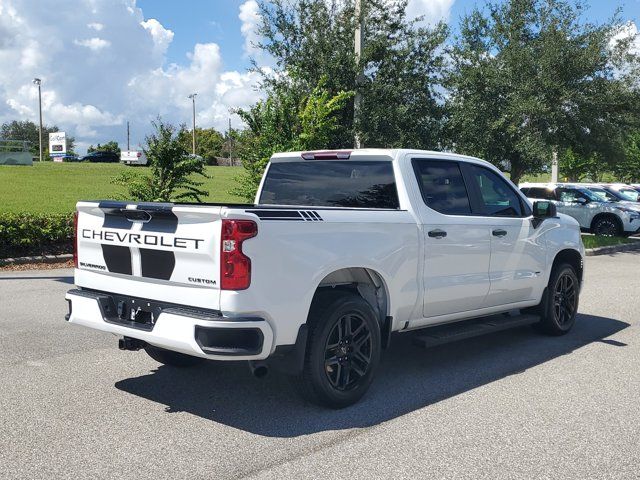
(569, 195)
(496, 197)
(442, 186)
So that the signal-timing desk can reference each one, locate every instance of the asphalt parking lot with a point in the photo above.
(510, 405)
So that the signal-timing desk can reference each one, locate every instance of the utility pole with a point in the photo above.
(230, 143)
(193, 100)
(37, 81)
(357, 101)
(128, 148)
(554, 166)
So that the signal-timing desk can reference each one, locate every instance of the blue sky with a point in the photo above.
(217, 21)
(106, 62)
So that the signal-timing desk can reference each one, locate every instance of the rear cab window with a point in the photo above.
(331, 183)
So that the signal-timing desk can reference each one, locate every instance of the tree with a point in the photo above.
(530, 76)
(627, 169)
(574, 166)
(209, 143)
(172, 169)
(282, 123)
(111, 146)
(29, 131)
(402, 63)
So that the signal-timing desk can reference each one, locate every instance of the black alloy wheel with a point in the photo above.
(348, 352)
(565, 299)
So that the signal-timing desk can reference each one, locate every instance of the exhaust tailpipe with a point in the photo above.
(132, 344)
(258, 368)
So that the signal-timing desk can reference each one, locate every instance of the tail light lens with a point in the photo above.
(235, 266)
(75, 239)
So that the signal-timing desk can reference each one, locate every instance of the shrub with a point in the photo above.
(23, 234)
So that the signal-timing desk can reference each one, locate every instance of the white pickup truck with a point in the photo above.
(340, 249)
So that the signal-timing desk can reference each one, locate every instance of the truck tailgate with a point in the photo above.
(157, 251)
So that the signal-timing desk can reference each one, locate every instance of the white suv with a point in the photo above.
(592, 212)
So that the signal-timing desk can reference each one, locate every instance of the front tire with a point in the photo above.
(172, 359)
(343, 350)
(607, 226)
(559, 307)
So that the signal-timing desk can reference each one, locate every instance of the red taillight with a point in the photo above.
(138, 155)
(235, 266)
(75, 239)
(327, 155)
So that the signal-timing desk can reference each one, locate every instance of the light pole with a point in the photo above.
(357, 101)
(193, 101)
(37, 81)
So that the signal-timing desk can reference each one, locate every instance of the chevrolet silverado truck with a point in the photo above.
(339, 250)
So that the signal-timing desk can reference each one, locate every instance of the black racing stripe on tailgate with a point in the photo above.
(157, 263)
(113, 217)
(117, 258)
(163, 220)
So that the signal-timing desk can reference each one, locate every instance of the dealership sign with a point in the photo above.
(57, 144)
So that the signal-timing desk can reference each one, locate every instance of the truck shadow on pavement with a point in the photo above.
(408, 378)
(57, 278)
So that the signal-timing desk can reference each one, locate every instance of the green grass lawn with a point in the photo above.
(593, 241)
(56, 187)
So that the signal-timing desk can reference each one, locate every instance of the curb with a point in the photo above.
(625, 247)
(4, 262)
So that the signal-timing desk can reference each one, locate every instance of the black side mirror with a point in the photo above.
(542, 210)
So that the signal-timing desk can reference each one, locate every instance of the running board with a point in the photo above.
(453, 332)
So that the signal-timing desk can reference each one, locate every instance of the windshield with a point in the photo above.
(602, 194)
(592, 195)
(629, 194)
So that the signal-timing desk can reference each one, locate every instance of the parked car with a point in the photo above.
(339, 249)
(69, 157)
(610, 195)
(102, 157)
(133, 157)
(593, 212)
(627, 191)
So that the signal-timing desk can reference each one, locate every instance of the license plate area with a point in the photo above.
(131, 312)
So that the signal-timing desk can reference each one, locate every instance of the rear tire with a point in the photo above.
(559, 306)
(343, 350)
(172, 359)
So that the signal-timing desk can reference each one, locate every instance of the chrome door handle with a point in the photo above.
(437, 233)
(498, 232)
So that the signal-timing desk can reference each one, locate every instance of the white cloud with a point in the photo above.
(161, 36)
(628, 31)
(250, 17)
(94, 43)
(93, 83)
(432, 10)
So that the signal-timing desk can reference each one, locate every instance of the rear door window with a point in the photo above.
(331, 183)
(442, 186)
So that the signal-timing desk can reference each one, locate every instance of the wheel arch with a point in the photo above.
(573, 258)
(365, 282)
